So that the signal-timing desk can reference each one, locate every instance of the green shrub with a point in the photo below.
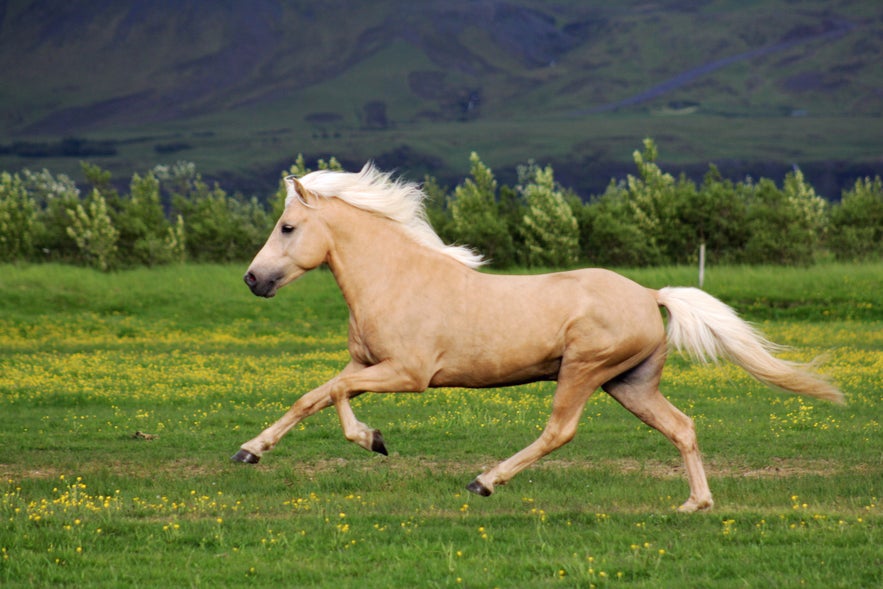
(551, 233)
(18, 219)
(649, 218)
(610, 235)
(715, 214)
(54, 197)
(785, 226)
(476, 215)
(142, 224)
(856, 230)
(219, 227)
(92, 230)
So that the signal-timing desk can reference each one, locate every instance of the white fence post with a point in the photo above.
(701, 264)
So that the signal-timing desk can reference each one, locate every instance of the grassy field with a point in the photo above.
(190, 359)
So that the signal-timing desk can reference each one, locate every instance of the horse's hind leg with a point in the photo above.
(570, 398)
(638, 391)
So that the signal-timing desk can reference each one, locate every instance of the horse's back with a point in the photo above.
(602, 299)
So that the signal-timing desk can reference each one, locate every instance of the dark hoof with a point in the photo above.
(246, 457)
(377, 444)
(478, 488)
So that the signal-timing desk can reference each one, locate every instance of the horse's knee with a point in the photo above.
(555, 437)
(684, 439)
(683, 434)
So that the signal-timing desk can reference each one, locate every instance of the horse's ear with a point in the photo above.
(298, 191)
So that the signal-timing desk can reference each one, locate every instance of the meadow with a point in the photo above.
(123, 395)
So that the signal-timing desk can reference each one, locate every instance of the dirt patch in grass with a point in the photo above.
(657, 469)
(779, 468)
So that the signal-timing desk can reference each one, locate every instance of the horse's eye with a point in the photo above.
(287, 229)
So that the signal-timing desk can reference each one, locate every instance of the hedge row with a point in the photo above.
(171, 214)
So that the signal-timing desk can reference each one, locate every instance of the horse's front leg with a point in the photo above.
(385, 377)
(310, 403)
(353, 380)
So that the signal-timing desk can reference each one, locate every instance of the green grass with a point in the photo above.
(188, 355)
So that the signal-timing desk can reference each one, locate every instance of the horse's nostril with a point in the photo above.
(250, 278)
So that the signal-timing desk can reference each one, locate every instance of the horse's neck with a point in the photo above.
(375, 261)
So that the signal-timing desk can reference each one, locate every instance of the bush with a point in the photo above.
(856, 229)
(551, 233)
(18, 219)
(219, 227)
(635, 219)
(609, 233)
(648, 218)
(142, 224)
(54, 197)
(476, 215)
(715, 214)
(785, 226)
(92, 230)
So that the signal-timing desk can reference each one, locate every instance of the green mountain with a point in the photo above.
(241, 87)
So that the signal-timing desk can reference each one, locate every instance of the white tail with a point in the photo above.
(705, 327)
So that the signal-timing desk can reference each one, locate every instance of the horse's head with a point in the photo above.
(299, 242)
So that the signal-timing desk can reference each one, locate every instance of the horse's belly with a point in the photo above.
(488, 372)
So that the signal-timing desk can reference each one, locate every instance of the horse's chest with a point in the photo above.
(369, 345)
(392, 337)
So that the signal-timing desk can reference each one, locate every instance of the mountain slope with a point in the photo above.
(241, 87)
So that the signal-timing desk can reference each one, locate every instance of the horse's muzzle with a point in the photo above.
(261, 288)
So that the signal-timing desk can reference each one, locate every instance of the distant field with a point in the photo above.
(586, 152)
(189, 358)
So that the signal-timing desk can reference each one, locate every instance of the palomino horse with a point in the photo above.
(421, 316)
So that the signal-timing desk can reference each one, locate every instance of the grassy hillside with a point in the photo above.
(240, 90)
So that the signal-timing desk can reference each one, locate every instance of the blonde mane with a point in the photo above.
(393, 198)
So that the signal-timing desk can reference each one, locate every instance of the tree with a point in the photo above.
(100, 180)
(551, 233)
(609, 233)
(809, 210)
(176, 241)
(298, 169)
(18, 219)
(784, 226)
(511, 207)
(476, 216)
(437, 209)
(55, 197)
(647, 196)
(856, 230)
(715, 215)
(219, 227)
(92, 230)
(142, 223)
(635, 222)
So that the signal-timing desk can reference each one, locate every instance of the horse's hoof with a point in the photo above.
(246, 457)
(377, 444)
(695, 506)
(478, 488)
